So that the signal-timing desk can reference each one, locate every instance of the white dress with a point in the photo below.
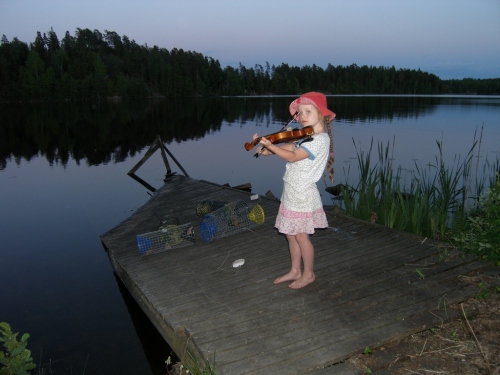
(301, 209)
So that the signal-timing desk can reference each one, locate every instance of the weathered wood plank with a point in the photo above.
(382, 296)
(367, 289)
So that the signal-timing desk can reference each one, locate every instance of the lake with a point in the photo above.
(64, 182)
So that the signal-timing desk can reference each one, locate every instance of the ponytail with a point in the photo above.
(329, 165)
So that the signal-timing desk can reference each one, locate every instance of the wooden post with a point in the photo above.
(172, 156)
(165, 160)
(148, 154)
(152, 149)
(142, 182)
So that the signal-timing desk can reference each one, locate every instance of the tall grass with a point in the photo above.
(434, 202)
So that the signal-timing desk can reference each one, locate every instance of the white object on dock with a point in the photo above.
(254, 197)
(238, 263)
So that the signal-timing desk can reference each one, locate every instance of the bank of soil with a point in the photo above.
(468, 344)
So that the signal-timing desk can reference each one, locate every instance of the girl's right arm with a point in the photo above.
(288, 151)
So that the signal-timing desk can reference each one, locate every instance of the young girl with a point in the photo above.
(301, 208)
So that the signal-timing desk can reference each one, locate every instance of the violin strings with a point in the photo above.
(291, 120)
(258, 153)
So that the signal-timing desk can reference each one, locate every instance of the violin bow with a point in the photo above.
(257, 154)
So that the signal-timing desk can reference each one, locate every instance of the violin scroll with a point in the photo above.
(250, 145)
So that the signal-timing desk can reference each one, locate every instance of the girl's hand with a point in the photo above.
(265, 142)
(263, 150)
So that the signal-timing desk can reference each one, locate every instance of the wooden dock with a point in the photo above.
(373, 285)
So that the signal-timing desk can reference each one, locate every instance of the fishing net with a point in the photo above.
(206, 207)
(171, 235)
(169, 220)
(231, 218)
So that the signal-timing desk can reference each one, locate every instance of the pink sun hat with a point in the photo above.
(317, 99)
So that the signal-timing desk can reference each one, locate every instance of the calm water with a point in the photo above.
(63, 183)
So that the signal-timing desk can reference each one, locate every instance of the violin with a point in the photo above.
(283, 136)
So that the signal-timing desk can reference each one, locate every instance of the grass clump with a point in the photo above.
(439, 201)
(425, 207)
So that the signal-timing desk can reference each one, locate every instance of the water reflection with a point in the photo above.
(99, 133)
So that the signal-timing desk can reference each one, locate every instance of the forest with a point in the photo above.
(92, 66)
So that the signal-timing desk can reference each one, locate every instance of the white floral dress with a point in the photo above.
(301, 209)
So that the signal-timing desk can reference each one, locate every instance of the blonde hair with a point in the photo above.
(326, 120)
(329, 165)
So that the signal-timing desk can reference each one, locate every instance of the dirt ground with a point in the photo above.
(466, 345)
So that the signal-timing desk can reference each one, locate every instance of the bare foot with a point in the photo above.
(302, 281)
(290, 276)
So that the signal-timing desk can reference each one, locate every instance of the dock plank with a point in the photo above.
(367, 290)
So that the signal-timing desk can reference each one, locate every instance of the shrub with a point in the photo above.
(481, 235)
(16, 359)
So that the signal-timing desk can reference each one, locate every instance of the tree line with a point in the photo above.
(92, 66)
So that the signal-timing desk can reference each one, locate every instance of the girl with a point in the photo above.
(301, 208)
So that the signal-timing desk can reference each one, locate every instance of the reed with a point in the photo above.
(435, 201)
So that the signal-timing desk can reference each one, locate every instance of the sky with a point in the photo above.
(452, 39)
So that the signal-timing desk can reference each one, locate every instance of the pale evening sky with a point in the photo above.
(450, 38)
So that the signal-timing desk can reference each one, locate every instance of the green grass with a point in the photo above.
(436, 202)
